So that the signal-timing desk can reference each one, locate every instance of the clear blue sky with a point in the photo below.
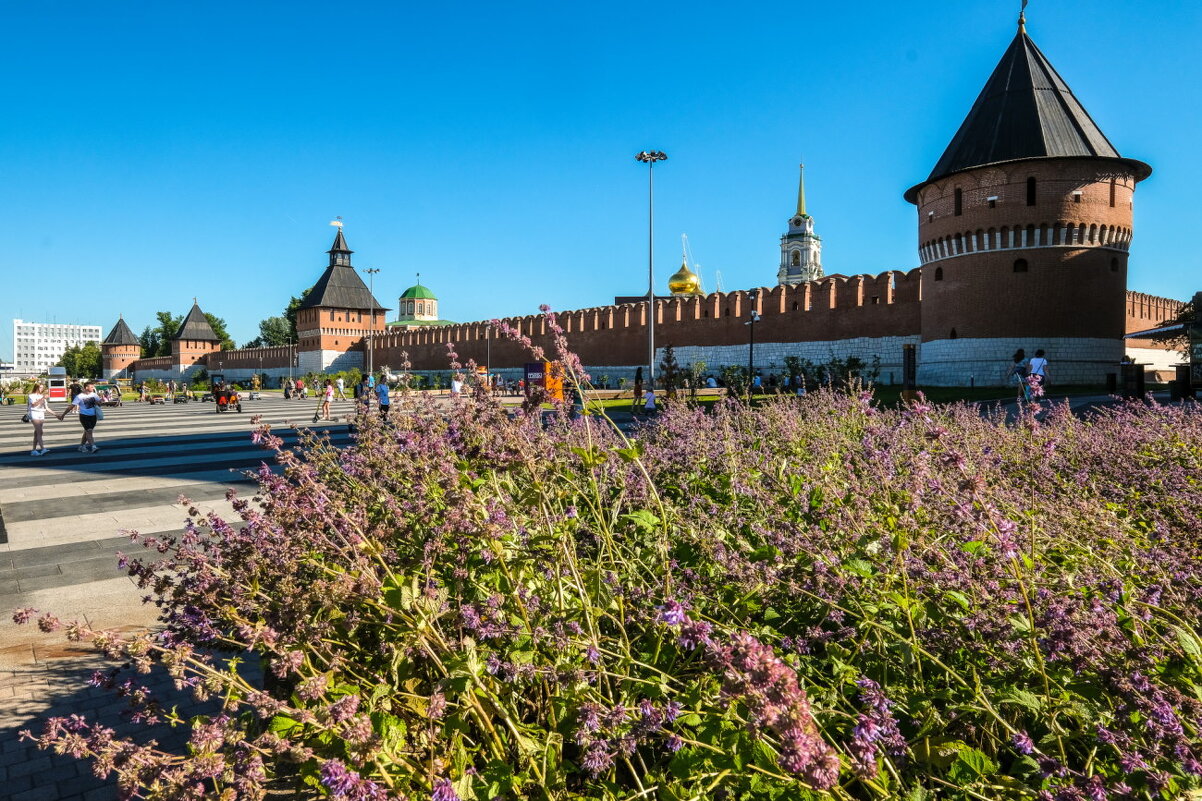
(154, 151)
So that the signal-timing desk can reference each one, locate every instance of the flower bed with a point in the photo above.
(815, 598)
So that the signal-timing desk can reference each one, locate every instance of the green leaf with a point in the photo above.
(591, 456)
(643, 519)
(630, 454)
(860, 567)
(959, 597)
(282, 724)
(1189, 643)
(1023, 698)
(971, 765)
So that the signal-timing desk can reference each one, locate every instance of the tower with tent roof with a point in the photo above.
(1024, 226)
(336, 316)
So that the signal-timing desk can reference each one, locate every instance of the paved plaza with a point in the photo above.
(60, 522)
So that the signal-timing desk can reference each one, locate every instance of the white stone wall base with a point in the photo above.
(328, 361)
(987, 362)
(770, 356)
(1164, 361)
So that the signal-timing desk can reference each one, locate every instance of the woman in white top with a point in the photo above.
(1039, 367)
(35, 407)
(327, 398)
(87, 403)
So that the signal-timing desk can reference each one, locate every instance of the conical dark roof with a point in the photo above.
(339, 245)
(196, 326)
(121, 335)
(1025, 111)
(340, 286)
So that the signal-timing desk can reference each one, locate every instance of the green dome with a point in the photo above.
(418, 292)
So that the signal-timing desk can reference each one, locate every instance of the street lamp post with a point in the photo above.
(289, 360)
(649, 157)
(371, 284)
(755, 318)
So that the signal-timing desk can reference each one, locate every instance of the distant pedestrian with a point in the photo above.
(76, 388)
(35, 410)
(1020, 368)
(326, 398)
(341, 389)
(711, 382)
(649, 401)
(87, 405)
(456, 387)
(363, 394)
(383, 400)
(1039, 368)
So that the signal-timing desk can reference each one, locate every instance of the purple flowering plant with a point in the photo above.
(811, 598)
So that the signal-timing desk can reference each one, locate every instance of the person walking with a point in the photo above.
(35, 411)
(1020, 368)
(1039, 368)
(363, 395)
(383, 399)
(87, 405)
(327, 397)
(341, 388)
(649, 401)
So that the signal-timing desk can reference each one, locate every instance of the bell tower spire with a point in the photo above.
(800, 248)
(801, 193)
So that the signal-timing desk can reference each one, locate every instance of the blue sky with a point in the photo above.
(153, 151)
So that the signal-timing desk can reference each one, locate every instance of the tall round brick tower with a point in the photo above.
(119, 350)
(1024, 228)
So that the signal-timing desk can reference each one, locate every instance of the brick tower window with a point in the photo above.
(1114, 265)
(938, 273)
(1020, 265)
(1112, 193)
(959, 201)
(1031, 191)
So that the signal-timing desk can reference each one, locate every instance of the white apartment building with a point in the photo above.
(39, 346)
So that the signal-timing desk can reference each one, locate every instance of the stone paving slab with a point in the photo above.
(59, 518)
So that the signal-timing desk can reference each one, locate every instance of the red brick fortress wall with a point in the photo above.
(835, 308)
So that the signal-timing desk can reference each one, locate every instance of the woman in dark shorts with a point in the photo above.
(87, 403)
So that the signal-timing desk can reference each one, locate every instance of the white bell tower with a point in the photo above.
(800, 248)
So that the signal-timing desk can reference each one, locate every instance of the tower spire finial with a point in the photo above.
(1022, 18)
(801, 192)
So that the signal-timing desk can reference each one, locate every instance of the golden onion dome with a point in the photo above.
(684, 281)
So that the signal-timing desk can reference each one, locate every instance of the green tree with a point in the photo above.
(274, 331)
(149, 339)
(82, 361)
(218, 326)
(1177, 339)
(290, 312)
(156, 339)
